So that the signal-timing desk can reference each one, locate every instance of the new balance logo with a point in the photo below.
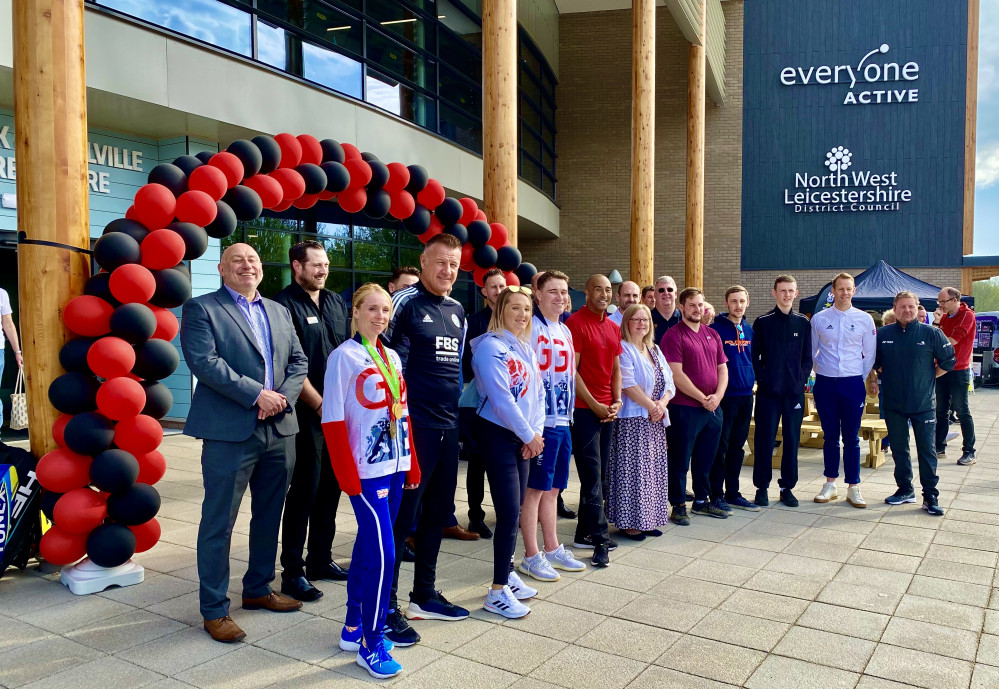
(829, 327)
(797, 406)
(428, 319)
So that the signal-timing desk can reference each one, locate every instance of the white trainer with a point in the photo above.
(854, 497)
(562, 558)
(827, 493)
(539, 568)
(503, 602)
(521, 591)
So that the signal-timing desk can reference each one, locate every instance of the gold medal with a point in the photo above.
(392, 428)
(397, 410)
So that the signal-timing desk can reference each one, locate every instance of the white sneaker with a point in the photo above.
(539, 568)
(560, 558)
(520, 590)
(504, 603)
(827, 493)
(854, 497)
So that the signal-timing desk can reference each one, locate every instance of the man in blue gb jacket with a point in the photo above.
(737, 405)
(911, 356)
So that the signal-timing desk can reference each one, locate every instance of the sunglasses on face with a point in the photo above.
(665, 289)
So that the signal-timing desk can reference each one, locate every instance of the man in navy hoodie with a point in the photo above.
(737, 405)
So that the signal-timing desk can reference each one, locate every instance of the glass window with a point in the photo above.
(207, 20)
(396, 18)
(401, 100)
(530, 170)
(373, 256)
(336, 71)
(468, 29)
(272, 246)
(460, 91)
(461, 128)
(319, 20)
(399, 60)
(376, 234)
(330, 229)
(340, 282)
(276, 278)
(410, 257)
(338, 251)
(529, 113)
(272, 48)
(530, 143)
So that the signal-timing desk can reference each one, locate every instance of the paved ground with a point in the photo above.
(819, 596)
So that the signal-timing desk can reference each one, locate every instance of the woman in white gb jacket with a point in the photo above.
(366, 426)
(512, 419)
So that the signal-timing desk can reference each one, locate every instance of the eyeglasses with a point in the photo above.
(941, 303)
(665, 289)
(518, 289)
(640, 320)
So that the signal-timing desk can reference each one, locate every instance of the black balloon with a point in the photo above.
(458, 230)
(526, 271)
(184, 268)
(116, 249)
(508, 258)
(224, 223)
(73, 355)
(49, 499)
(89, 433)
(74, 392)
(479, 232)
(337, 177)
(419, 221)
(449, 212)
(188, 164)
(173, 288)
(270, 153)
(369, 157)
(99, 285)
(332, 151)
(155, 360)
(134, 506)
(134, 323)
(315, 178)
(170, 176)
(418, 179)
(159, 399)
(114, 471)
(378, 204)
(133, 228)
(204, 156)
(245, 202)
(110, 545)
(249, 155)
(195, 239)
(379, 175)
(484, 256)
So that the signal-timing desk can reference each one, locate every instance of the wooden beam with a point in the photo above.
(643, 133)
(696, 65)
(499, 113)
(50, 125)
(970, 126)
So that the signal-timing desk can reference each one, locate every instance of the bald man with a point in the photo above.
(628, 294)
(250, 369)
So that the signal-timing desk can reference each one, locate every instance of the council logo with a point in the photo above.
(874, 80)
(840, 191)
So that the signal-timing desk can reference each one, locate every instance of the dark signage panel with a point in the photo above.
(853, 133)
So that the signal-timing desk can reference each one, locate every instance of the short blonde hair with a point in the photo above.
(496, 324)
(362, 293)
(629, 313)
(888, 317)
(842, 276)
(905, 294)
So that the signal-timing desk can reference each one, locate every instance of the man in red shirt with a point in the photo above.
(958, 323)
(597, 343)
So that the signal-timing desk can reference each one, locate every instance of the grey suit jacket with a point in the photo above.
(221, 351)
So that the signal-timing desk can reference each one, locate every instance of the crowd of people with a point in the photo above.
(379, 399)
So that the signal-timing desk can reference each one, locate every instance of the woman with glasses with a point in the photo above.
(511, 423)
(637, 473)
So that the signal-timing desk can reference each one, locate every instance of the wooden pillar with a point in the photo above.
(970, 126)
(696, 66)
(643, 133)
(50, 125)
(499, 113)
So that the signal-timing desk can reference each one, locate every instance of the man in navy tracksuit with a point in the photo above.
(737, 405)
(782, 360)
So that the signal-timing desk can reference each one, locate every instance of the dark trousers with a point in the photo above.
(507, 471)
(591, 444)
(693, 440)
(736, 415)
(773, 411)
(952, 393)
(437, 453)
(923, 425)
(840, 404)
(313, 497)
(263, 462)
(471, 452)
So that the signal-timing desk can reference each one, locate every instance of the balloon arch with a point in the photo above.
(99, 481)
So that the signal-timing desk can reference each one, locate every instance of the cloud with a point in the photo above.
(987, 166)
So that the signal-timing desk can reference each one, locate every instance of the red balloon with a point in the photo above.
(479, 274)
(434, 230)
(59, 427)
(468, 210)
(351, 152)
(88, 316)
(121, 398)
(111, 357)
(80, 511)
(360, 172)
(292, 183)
(352, 199)
(152, 466)
(62, 470)
(511, 278)
(155, 206)
(432, 195)
(312, 151)
(283, 206)
(230, 165)
(130, 213)
(146, 535)
(466, 257)
(291, 150)
(398, 178)
(197, 207)
(210, 180)
(161, 249)
(167, 325)
(132, 283)
(327, 195)
(481, 215)
(61, 547)
(403, 205)
(306, 201)
(268, 189)
(499, 236)
(139, 435)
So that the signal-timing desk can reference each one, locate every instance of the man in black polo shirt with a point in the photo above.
(665, 315)
(322, 322)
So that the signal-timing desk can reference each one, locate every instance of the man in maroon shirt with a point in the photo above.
(958, 323)
(697, 359)
(597, 342)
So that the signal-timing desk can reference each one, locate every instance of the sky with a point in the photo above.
(987, 158)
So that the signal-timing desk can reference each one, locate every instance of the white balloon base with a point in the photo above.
(85, 577)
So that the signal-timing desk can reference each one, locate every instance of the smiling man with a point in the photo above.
(628, 293)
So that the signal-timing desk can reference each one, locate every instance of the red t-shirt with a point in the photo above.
(961, 327)
(597, 340)
(701, 353)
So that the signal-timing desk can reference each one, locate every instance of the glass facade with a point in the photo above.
(420, 60)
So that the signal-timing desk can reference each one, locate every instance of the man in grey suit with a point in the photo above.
(250, 369)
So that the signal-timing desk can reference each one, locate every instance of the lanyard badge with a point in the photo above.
(391, 377)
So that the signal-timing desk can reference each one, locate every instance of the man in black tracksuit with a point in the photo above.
(782, 360)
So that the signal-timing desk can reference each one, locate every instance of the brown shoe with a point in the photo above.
(224, 629)
(460, 533)
(274, 602)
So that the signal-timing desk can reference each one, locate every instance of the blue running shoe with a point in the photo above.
(435, 607)
(378, 662)
(351, 640)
